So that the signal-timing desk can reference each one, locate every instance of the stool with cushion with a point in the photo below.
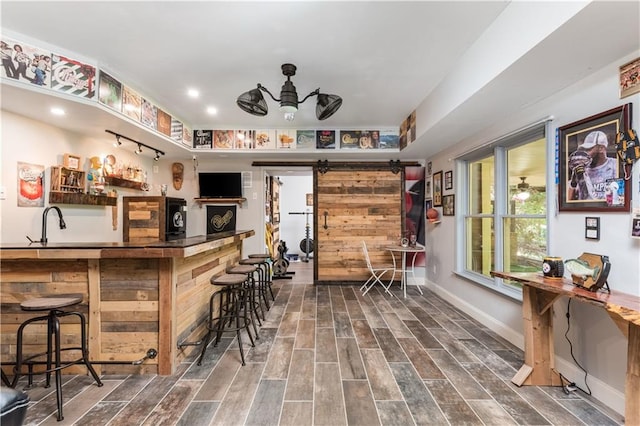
(266, 263)
(263, 277)
(54, 363)
(232, 311)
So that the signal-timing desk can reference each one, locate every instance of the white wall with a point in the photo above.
(597, 343)
(26, 140)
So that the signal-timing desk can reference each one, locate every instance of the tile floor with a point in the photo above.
(329, 356)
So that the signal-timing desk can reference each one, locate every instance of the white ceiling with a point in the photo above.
(384, 59)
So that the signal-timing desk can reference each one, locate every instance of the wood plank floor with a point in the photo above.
(329, 356)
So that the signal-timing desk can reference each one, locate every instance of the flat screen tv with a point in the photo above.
(220, 185)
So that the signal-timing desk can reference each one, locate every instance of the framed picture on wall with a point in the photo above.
(437, 189)
(448, 180)
(428, 188)
(448, 205)
(589, 170)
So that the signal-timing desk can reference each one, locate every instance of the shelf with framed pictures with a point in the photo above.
(68, 187)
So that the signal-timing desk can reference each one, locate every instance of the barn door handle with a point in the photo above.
(326, 213)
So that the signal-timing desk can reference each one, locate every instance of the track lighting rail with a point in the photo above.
(140, 144)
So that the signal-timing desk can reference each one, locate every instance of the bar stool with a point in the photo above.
(232, 306)
(54, 306)
(264, 274)
(253, 298)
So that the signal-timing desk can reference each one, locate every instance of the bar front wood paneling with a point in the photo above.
(136, 297)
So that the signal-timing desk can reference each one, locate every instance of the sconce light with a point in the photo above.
(253, 102)
(138, 151)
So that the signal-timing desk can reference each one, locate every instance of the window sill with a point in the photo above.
(494, 284)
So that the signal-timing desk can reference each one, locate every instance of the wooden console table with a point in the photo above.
(538, 295)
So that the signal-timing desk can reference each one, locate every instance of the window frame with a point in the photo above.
(497, 149)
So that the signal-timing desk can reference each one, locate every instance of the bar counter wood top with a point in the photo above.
(538, 295)
(88, 250)
(136, 296)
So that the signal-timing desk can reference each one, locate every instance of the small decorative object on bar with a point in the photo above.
(71, 161)
(553, 267)
(433, 215)
(588, 161)
(589, 271)
(253, 102)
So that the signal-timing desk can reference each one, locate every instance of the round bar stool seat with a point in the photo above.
(54, 364)
(232, 306)
(254, 304)
(259, 256)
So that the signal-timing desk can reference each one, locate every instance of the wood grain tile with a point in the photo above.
(82, 403)
(289, 324)
(459, 413)
(260, 352)
(381, 379)
(198, 413)
(329, 406)
(422, 362)
(351, 366)
(389, 345)
(364, 334)
(359, 404)
(267, 403)
(300, 383)
(491, 412)
(325, 316)
(306, 334)
(101, 413)
(342, 324)
(459, 377)
(169, 410)
(326, 349)
(237, 402)
(396, 325)
(277, 366)
(453, 346)
(297, 413)
(426, 339)
(394, 413)
(216, 385)
(420, 402)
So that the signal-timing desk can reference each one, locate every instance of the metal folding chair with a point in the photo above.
(377, 273)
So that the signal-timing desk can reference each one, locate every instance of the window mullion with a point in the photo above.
(500, 206)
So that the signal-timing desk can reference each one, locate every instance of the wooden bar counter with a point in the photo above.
(136, 297)
(538, 295)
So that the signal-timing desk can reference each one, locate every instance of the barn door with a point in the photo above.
(351, 206)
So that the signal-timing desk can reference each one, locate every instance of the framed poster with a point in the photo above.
(306, 139)
(437, 189)
(73, 77)
(448, 180)
(428, 187)
(30, 185)
(630, 78)
(589, 170)
(131, 104)
(110, 91)
(202, 139)
(326, 139)
(149, 114)
(448, 205)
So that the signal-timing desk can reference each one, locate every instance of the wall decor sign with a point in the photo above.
(592, 228)
(389, 139)
(448, 179)
(589, 171)
(73, 77)
(149, 114)
(110, 91)
(286, 139)
(18, 60)
(131, 104)
(265, 139)
(222, 139)
(306, 139)
(245, 139)
(30, 185)
(203, 139)
(630, 78)
(448, 205)
(326, 139)
(164, 122)
(176, 129)
(437, 189)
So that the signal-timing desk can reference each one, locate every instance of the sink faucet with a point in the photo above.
(63, 225)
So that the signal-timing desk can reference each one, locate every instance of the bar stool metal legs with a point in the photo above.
(232, 308)
(54, 363)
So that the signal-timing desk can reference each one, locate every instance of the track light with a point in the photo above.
(253, 102)
(138, 151)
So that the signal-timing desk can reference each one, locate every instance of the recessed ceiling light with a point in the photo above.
(212, 111)
(193, 93)
(57, 111)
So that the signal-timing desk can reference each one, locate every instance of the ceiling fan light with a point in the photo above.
(253, 102)
(327, 105)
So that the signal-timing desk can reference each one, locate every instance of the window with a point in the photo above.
(504, 208)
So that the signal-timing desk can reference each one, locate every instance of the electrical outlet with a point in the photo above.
(3, 193)
(255, 195)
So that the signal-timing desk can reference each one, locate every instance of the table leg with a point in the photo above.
(404, 273)
(413, 271)
(538, 340)
(632, 385)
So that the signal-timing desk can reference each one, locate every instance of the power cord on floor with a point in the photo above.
(571, 386)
